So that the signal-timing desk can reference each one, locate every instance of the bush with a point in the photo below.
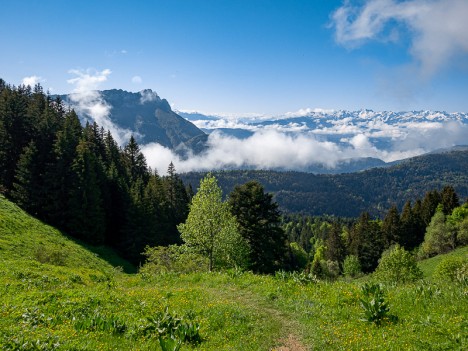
(398, 266)
(351, 266)
(374, 305)
(162, 259)
(448, 268)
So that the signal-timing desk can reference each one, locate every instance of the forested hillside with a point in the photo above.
(348, 195)
(79, 180)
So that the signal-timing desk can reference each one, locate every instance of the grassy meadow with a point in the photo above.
(59, 295)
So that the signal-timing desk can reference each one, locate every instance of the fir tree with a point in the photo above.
(259, 224)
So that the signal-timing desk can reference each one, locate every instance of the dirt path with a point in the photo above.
(289, 340)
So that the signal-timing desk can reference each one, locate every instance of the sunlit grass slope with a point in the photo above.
(77, 301)
(429, 265)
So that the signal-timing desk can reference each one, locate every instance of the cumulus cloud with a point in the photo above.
(88, 102)
(137, 80)
(438, 27)
(32, 80)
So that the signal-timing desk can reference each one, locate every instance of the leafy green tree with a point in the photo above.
(351, 266)
(211, 230)
(440, 236)
(259, 225)
(398, 266)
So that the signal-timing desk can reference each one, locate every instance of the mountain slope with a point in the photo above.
(148, 116)
(23, 237)
(349, 194)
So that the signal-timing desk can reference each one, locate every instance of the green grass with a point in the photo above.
(80, 302)
(429, 265)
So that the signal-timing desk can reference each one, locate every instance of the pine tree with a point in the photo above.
(335, 247)
(177, 202)
(87, 218)
(391, 227)
(61, 173)
(259, 224)
(26, 190)
(449, 199)
(429, 205)
(135, 162)
(366, 242)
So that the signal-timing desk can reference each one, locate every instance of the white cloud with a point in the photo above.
(137, 80)
(32, 80)
(307, 111)
(272, 148)
(438, 27)
(87, 101)
(148, 95)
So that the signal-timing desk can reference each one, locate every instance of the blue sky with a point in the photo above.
(247, 56)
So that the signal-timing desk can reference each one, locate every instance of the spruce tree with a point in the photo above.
(449, 199)
(391, 227)
(259, 224)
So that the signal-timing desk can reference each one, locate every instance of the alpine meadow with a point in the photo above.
(304, 186)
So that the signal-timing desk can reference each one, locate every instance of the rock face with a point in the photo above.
(151, 118)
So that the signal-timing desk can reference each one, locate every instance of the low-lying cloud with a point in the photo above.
(437, 27)
(271, 149)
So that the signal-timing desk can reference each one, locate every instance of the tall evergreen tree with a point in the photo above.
(391, 227)
(26, 190)
(135, 162)
(366, 242)
(259, 224)
(177, 203)
(429, 205)
(335, 246)
(449, 199)
(87, 218)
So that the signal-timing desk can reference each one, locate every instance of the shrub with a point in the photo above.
(375, 307)
(447, 269)
(398, 266)
(55, 257)
(330, 268)
(351, 266)
(172, 258)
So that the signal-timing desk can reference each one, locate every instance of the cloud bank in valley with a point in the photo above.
(276, 149)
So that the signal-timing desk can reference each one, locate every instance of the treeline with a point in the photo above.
(78, 179)
(432, 225)
(348, 195)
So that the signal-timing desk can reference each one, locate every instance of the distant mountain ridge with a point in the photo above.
(349, 194)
